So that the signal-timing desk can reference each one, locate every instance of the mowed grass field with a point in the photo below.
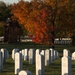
(53, 69)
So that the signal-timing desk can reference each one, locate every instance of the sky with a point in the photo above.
(10, 1)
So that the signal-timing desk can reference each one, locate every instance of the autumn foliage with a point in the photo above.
(64, 17)
(45, 19)
(36, 18)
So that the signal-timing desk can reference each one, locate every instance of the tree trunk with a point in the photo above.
(6, 34)
(73, 40)
(53, 43)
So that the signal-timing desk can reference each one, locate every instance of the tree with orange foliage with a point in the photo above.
(36, 18)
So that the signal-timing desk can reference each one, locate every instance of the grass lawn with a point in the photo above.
(53, 69)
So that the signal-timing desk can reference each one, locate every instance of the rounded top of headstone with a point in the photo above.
(31, 49)
(50, 48)
(66, 52)
(65, 49)
(42, 52)
(20, 51)
(25, 49)
(16, 53)
(2, 48)
(64, 58)
(37, 49)
(22, 72)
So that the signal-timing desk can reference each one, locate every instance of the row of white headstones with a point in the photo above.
(42, 58)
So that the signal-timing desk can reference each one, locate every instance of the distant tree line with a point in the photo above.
(9, 27)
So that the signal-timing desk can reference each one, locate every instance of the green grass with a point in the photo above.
(53, 69)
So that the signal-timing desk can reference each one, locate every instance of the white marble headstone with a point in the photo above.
(73, 56)
(31, 56)
(55, 54)
(13, 53)
(4, 54)
(26, 54)
(66, 53)
(47, 57)
(42, 52)
(39, 63)
(18, 62)
(23, 53)
(66, 68)
(52, 54)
